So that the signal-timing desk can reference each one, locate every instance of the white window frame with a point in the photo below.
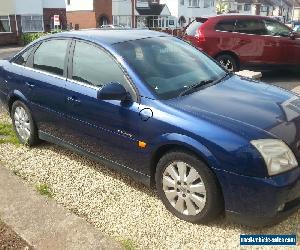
(8, 18)
(32, 31)
(194, 4)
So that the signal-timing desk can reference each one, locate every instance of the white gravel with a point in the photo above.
(120, 207)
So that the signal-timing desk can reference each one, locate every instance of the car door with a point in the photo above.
(106, 129)
(252, 46)
(288, 45)
(45, 77)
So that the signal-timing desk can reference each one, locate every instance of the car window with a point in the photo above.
(23, 57)
(167, 65)
(275, 28)
(251, 26)
(50, 56)
(226, 25)
(94, 66)
(191, 30)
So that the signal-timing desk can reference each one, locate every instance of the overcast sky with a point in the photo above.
(173, 6)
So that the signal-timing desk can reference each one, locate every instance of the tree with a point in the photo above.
(222, 7)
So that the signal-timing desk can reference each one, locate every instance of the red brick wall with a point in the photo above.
(13, 37)
(49, 14)
(103, 8)
(85, 19)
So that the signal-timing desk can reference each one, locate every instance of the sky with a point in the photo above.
(173, 6)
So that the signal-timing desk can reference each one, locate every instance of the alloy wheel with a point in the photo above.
(184, 188)
(22, 123)
(227, 64)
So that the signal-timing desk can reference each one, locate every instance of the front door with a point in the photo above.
(107, 129)
(252, 44)
(290, 48)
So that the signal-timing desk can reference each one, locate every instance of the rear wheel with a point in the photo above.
(23, 124)
(228, 62)
(188, 188)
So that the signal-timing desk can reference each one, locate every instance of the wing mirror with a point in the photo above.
(113, 91)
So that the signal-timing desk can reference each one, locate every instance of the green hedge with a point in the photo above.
(30, 37)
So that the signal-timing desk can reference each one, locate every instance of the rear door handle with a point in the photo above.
(29, 85)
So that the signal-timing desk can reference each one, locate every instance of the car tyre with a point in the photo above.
(228, 62)
(23, 124)
(188, 188)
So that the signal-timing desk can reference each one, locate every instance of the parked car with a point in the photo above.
(156, 108)
(112, 26)
(245, 41)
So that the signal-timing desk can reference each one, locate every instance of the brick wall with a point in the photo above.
(103, 8)
(14, 36)
(84, 19)
(49, 14)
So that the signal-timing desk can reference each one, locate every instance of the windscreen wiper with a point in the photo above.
(194, 87)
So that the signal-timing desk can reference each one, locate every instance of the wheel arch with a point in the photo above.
(182, 143)
(15, 96)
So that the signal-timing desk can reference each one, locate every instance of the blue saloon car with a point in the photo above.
(156, 108)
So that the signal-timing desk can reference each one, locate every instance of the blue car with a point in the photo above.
(158, 109)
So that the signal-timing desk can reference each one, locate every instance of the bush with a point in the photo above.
(30, 37)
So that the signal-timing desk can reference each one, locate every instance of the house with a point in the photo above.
(19, 16)
(83, 14)
(281, 9)
(154, 15)
(187, 10)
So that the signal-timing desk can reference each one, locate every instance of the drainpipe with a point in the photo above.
(133, 5)
(17, 27)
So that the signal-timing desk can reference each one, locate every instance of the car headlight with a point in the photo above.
(278, 156)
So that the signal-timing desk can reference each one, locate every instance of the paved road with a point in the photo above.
(287, 79)
(8, 51)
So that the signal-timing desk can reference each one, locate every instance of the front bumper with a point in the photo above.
(260, 201)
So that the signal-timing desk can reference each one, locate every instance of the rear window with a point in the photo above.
(251, 26)
(192, 28)
(226, 25)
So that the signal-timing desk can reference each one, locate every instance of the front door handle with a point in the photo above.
(29, 85)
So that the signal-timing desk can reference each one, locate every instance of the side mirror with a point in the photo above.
(113, 91)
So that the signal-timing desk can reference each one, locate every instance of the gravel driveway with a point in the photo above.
(117, 205)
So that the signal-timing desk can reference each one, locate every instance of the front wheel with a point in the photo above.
(188, 188)
(23, 124)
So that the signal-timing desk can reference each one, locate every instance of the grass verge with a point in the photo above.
(7, 134)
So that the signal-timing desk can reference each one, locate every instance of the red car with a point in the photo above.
(245, 41)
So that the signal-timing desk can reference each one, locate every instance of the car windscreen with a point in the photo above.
(168, 65)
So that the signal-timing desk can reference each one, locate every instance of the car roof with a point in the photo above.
(237, 15)
(110, 36)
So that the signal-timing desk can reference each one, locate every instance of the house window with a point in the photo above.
(5, 24)
(264, 8)
(124, 21)
(69, 2)
(247, 7)
(240, 7)
(181, 2)
(32, 23)
(194, 3)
